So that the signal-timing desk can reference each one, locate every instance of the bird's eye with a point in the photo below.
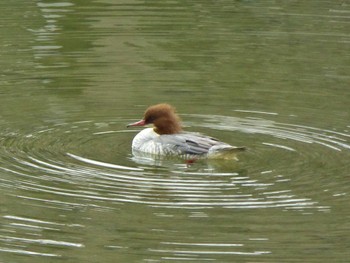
(149, 119)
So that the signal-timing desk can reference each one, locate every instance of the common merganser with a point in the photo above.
(167, 137)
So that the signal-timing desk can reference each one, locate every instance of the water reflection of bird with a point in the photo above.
(167, 138)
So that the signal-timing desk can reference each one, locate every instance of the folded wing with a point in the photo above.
(190, 143)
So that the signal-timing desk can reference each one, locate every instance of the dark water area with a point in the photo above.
(272, 76)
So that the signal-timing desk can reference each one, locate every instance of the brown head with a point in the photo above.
(163, 117)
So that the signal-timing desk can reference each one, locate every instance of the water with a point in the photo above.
(271, 76)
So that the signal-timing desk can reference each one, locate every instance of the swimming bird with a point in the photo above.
(167, 138)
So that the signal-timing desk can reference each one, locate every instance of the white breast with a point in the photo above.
(145, 141)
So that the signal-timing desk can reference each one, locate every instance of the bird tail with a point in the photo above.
(224, 152)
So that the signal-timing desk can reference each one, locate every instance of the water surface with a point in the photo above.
(270, 76)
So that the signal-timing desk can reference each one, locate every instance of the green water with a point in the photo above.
(269, 75)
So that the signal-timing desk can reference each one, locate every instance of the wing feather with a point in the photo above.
(189, 143)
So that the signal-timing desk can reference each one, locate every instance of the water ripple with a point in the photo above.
(58, 160)
(24, 232)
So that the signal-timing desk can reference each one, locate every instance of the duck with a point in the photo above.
(167, 137)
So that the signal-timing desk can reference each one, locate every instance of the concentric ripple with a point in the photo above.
(90, 162)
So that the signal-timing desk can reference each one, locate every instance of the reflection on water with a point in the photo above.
(270, 76)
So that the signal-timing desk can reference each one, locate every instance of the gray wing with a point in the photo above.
(189, 143)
